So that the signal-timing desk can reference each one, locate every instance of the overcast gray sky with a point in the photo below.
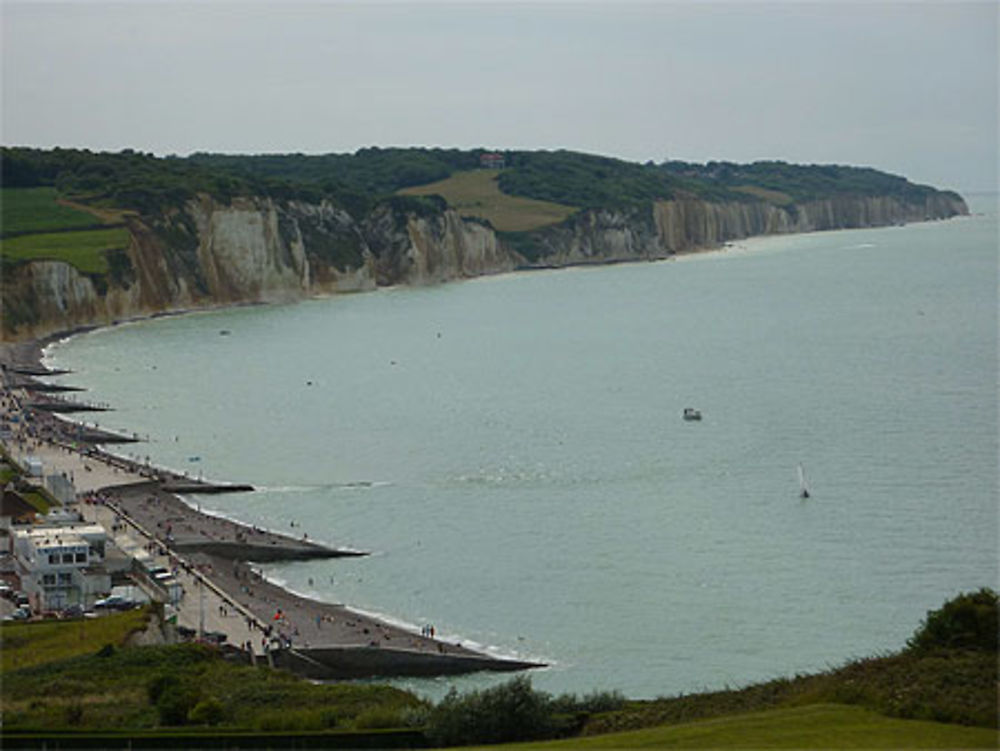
(906, 87)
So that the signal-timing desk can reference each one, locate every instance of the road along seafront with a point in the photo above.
(212, 557)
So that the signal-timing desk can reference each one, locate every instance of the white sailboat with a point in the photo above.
(803, 488)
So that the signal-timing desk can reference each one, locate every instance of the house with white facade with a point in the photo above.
(61, 565)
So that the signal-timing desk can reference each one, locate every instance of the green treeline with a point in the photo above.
(360, 181)
(801, 182)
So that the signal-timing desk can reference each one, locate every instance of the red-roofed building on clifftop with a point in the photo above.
(491, 160)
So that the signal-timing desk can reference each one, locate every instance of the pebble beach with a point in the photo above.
(212, 557)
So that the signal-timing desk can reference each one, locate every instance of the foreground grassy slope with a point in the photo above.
(169, 686)
(476, 194)
(817, 726)
(25, 645)
(939, 692)
(944, 685)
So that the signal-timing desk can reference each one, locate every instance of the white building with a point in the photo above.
(62, 565)
(61, 488)
(33, 466)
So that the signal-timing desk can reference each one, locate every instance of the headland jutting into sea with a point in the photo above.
(141, 507)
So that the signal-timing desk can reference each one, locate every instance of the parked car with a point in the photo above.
(21, 600)
(215, 637)
(114, 602)
(21, 614)
(73, 611)
(6, 591)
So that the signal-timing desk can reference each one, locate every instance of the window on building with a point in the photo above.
(53, 558)
(65, 578)
(67, 558)
(48, 579)
(81, 557)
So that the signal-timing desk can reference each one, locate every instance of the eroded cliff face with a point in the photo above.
(412, 249)
(669, 227)
(246, 253)
(260, 250)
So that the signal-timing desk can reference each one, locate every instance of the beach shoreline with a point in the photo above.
(214, 555)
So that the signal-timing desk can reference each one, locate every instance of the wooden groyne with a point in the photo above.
(36, 370)
(203, 488)
(344, 663)
(46, 388)
(274, 550)
(154, 506)
(64, 407)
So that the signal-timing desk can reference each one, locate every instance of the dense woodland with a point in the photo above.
(358, 182)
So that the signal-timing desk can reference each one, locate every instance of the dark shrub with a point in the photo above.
(161, 683)
(74, 714)
(602, 701)
(175, 703)
(510, 712)
(207, 712)
(968, 621)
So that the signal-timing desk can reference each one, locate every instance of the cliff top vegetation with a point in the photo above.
(357, 182)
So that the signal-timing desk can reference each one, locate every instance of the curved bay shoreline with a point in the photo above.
(212, 554)
(31, 352)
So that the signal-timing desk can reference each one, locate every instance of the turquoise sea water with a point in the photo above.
(511, 449)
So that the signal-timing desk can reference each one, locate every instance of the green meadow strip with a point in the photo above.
(84, 250)
(25, 210)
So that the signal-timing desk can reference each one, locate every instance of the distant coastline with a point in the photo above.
(212, 231)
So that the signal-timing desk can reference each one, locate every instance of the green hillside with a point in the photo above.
(817, 726)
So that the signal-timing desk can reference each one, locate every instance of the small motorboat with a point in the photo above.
(691, 414)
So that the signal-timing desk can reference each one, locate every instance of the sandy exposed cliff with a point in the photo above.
(260, 250)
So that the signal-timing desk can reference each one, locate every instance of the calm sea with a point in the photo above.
(511, 449)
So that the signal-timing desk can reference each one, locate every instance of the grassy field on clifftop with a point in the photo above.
(24, 210)
(38, 226)
(85, 250)
(476, 194)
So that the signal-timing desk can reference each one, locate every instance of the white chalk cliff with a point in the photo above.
(261, 250)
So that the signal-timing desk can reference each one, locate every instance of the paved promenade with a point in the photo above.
(203, 606)
(210, 555)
